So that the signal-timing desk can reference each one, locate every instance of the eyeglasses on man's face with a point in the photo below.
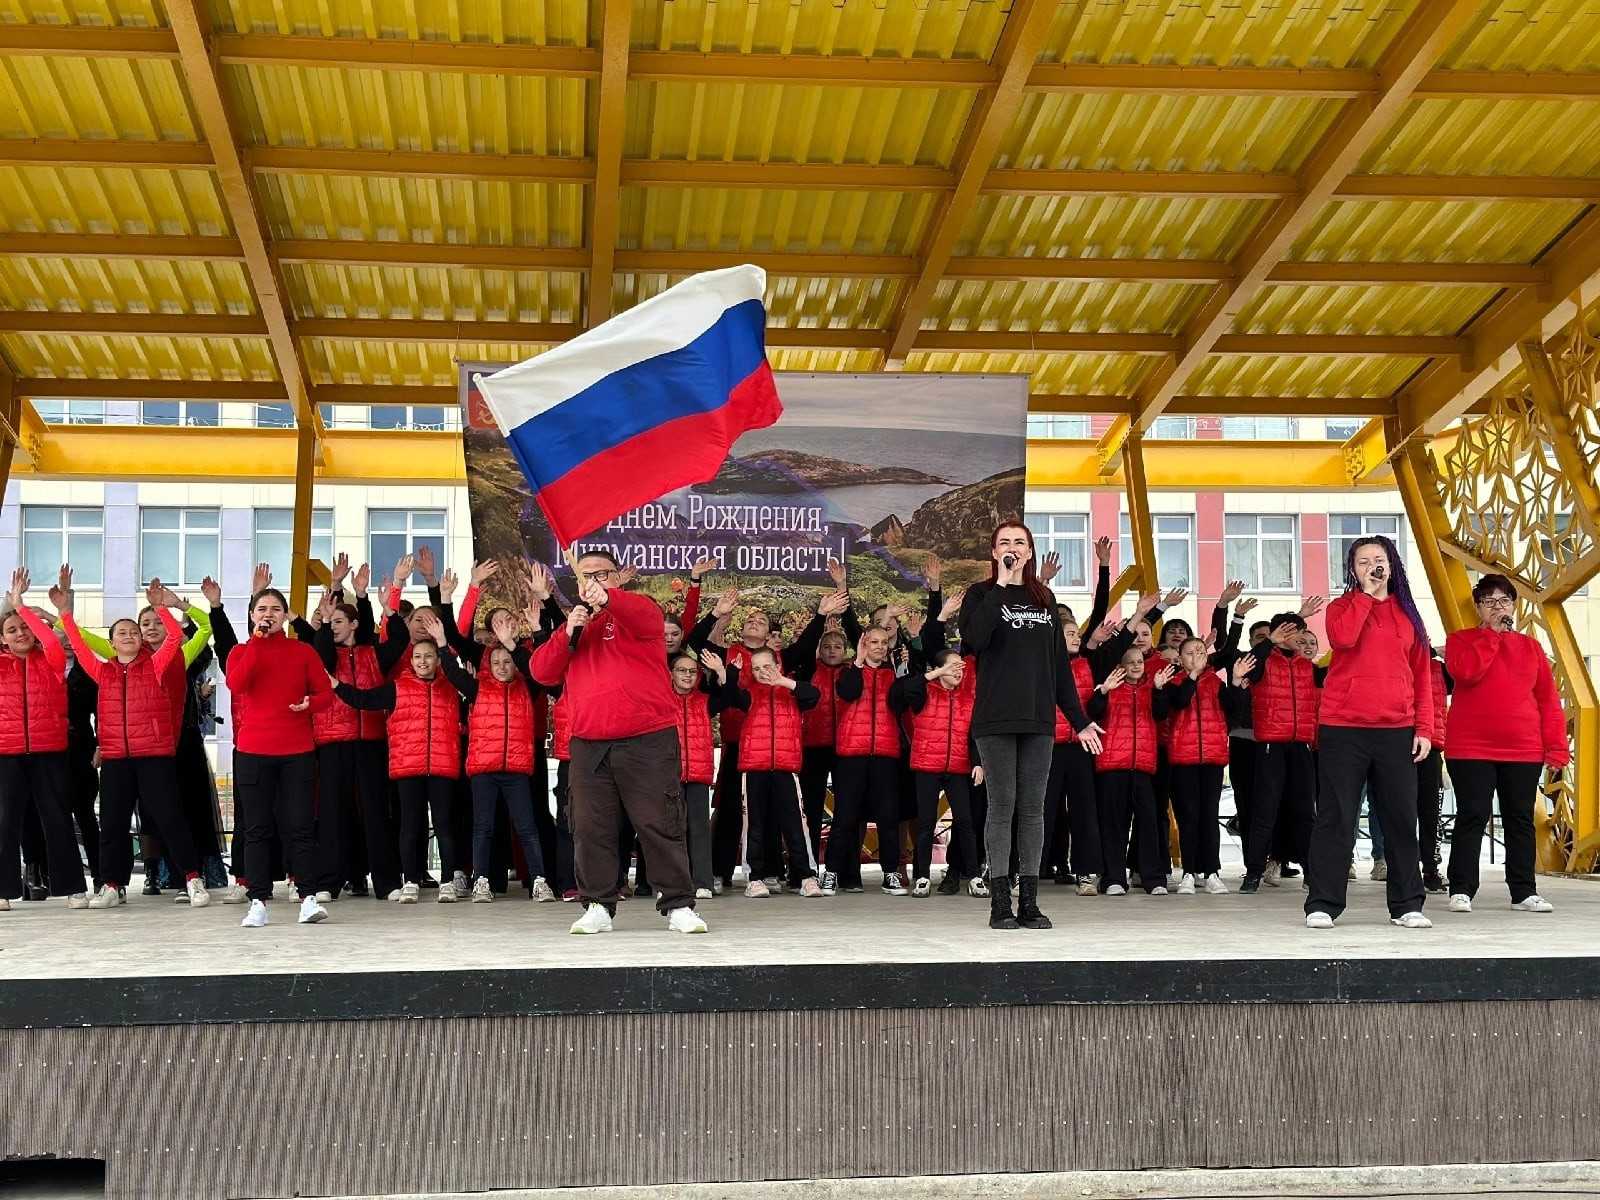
(1493, 602)
(602, 576)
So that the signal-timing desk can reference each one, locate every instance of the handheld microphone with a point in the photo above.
(1008, 561)
(1507, 623)
(572, 638)
(1378, 572)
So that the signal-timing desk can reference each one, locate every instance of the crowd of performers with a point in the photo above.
(1056, 745)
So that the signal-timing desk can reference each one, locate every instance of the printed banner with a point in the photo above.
(875, 471)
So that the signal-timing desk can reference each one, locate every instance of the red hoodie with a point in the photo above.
(1506, 707)
(1379, 676)
(266, 675)
(616, 683)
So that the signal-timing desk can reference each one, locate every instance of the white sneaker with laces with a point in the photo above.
(1534, 903)
(922, 888)
(236, 894)
(1411, 920)
(480, 891)
(757, 889)
(1086, 886)
(1318, 920)
(1272, 874)
(76, 900)
(543, 893)
(255, 916)
(893, 885)
(595, 919)
(1186, 887)
(1116, 889)
(685, 920)
(198, 896)
(1158, 891)
(409, 893)
(829, 883)
(978, 888)
(707, 894)
(396, 896)
(1459, 902)
(774, 884)
(312, 912)
(106, 897)
(447, 892)
(810, 889)
(324, 897)
(1215, 886)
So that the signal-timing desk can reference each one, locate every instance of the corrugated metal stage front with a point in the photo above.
(921, 1045)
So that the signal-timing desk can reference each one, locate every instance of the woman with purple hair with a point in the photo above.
(1377, 713)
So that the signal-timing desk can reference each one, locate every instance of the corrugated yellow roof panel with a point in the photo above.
(857, 222)
(403, 364)
(1316, 33)
(823, 360)
(1397, 310)
(532, 22)
(432, 293)
(142, 13)
(111, 200)
(125, 285)
(1040, 306)
(53, 97)
(56, 356)
(900, 28)
(1435, 231)
(794, 302)
(1528, 35)
(1491, 137)
(1109, 227)
(1056, 374)
(1264, 375)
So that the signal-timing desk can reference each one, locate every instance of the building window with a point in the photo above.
(1345, 528)
(274, 416)
(200, 413)
(52, 536)
(1261, 550)
(274, 538)
(1067, 535)
(404, 416)
(1174, 538)
(1260, 429)
(71, 412)
(179, 546)
(1342, 429)
(393, 533)
(1172, 429)
(1057, 425)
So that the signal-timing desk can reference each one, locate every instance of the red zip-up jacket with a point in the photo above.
(133, 717)
(615, 685)
(33, 694)
(1379, 675)
(266, 675)
(1506, 707)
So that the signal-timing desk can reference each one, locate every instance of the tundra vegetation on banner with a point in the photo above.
(877, 471)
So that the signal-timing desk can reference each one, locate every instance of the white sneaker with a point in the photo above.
(1272, 874)
(1215, 886)
(922, 888)
(740, 875)
(774, 885)
(255, 916)
(1158, 891)
(182, 896)
(1186, 887)
(106, 897)
(595, 919)
(1411, 920)
(829, 883)
(1460, 902)
(756, 889)
(707, 894)
(236, 894)
(1318, 920)
(409, 893)
(449, 893)
(810, 889)
(1380, 869)
(1086, 886)
(978, 888)
(1116, 889)
(76, 900)
(480, 891)
(324, 897)
(396, 896)
(686, 920)
(1534, 903)
(198, 896)
(311, 911)
(543, 893)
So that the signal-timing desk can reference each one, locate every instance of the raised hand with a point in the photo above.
(1284, 635)
(933, 572)
(1113, 681)
(577, 619)
(1146, 602)
(431, 625)
(540, 583)
(627, 575)
(893, 613)
(427, 565)
(593, 593)
(726, 603)
(1310, 606)
(914, 623)
(713, 663)
(260, 578)
(1164, 676)
(325, 608)
(482, 572)
(64, 577)
(832, 604)
(951, 606)
(836, 572)
(1245, 606)
(362, 580)
(154, 594)
(169, 598)
(19, 586)
(1173, 598)
(404, 569)
(340, 568)
(1230, 593)
(212, 591)
(61, 594)
(1102, 551)
(1242, 666)
(701, 568)
(448, 584)
(1049, 566)
(861, 652)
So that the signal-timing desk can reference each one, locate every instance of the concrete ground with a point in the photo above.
(155, 936)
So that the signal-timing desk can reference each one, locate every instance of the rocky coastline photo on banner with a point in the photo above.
(877, 471)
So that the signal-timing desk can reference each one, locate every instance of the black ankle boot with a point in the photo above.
(1000, 916)
(1028, 914)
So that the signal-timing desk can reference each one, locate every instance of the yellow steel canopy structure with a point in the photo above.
(1339, 207)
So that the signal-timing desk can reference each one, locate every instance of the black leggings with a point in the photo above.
(38, 781)
(152, 785)
(727, 825)
(963, 847)
(353, 795)
(1196, 791)
(279, 804)
(1350, 758)
(421, 795)
(1478, 781)
(816, 765)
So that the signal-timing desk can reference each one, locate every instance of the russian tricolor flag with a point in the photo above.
(649, 402)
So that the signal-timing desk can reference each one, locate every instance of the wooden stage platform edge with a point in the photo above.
(65, 1003)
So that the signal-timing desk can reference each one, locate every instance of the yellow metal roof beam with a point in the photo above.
(119, 246)
(1221, 406)
(990, 118)
(1433, 26)
(102, 152)
(605, 198)
(418, 164)
(1199, 466)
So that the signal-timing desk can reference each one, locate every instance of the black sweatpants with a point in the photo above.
(1350, 758)
(773, 801)
(1057, 829)
(1283, 805)
(1126, 795)
(864, 787)
(83, 789)
(962, 851)
(422, 796)
(1083, 808)
(1478, 781)
(1196, 792)
(1241, 777)
(727, 825)
(640, 776)
(491, 790)
(353, 794)
(1161, 791)
(39, 781)
(279, 804)
(1430, 801)
(566, 879)
(816, 765)
(697, 814)
(152, 785)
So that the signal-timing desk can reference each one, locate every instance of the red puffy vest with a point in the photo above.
(771, 737)
(733, 719)
(33, 704)
(425, 729)
(1441, 704)
(1130, 742)
(134, 716)
(867, 726)
(1199, 733)
(358, 666)
(939, 732)
(695, 761)
(560, 730)
(500, 728)
(1083, 680)
(819, 726)
(1284, 700)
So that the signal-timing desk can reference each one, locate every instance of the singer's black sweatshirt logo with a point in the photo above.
(1019, 617)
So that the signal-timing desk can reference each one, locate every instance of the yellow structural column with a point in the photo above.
(1140, 532)
(305, 466)
(11, 414)
(1447, 578)
(1585, 746)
